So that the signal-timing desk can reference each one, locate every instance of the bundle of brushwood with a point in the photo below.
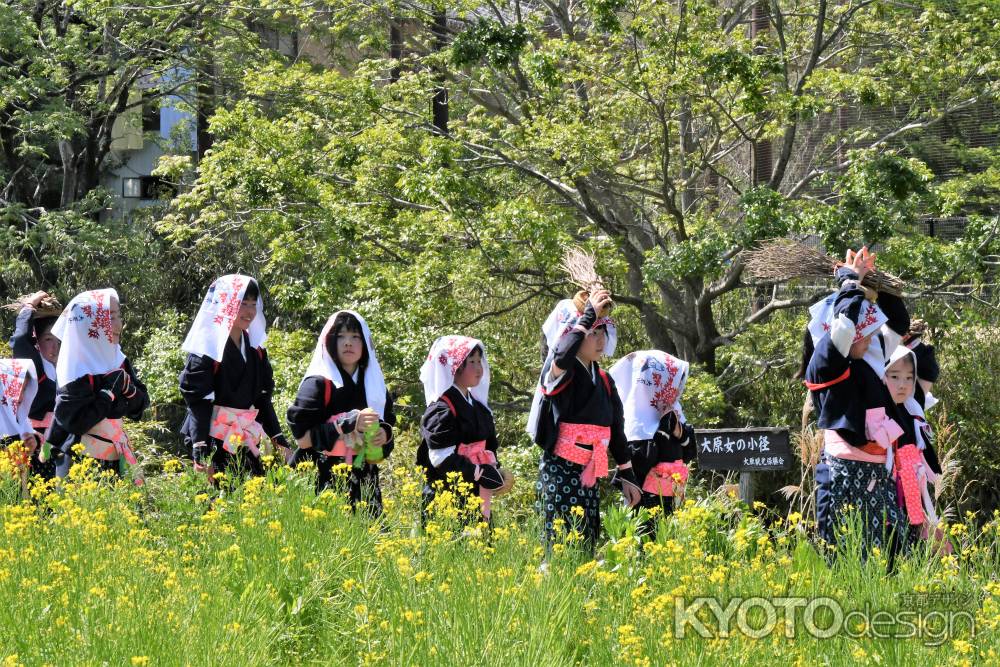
(779, 260)
(48, 307)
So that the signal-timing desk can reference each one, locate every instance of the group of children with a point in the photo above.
(69, 383)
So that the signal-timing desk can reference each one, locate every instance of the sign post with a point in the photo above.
(747, 450)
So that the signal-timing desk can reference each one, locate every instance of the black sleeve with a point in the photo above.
(387, 422)
(827, 363)
(927, 365)
(439, 429)
(22, 343)
(133, 407)
(79, 407)
(671, 448)
(569, 343)
(895, 311)
(197, 382)
(619, 443)
(309, 409)
(266, 415)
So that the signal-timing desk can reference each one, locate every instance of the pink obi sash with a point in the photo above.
(660, 480)
(41, 425)
(477, 453)
(236, 427)
(914, 473)
(834, 445)
(108, 442)
(594, 461)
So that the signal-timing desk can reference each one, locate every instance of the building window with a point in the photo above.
(131, 188)
(151, 115)
(147, 187)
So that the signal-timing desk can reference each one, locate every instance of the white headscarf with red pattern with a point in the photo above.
(650, 384)
(323, 365)
(84, 330)
(18, 386)
(872, 319)
(564, 316)
(442, 363)
(219, 310)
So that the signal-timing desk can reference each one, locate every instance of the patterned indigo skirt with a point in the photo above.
(559, 490)
(870, 490)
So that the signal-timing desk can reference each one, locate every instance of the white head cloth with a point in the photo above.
(446, 356)
(650, 384)
(323, 365)
(872, 320)
(911, 404)
(219, 310)
(84, 330)
(18, 386)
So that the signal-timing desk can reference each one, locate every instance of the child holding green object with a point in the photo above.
(343, 412)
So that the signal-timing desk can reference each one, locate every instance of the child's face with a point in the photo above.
(858, 348)
(350, 347)
(248, 311)
(115, 315)
(48, 347)
(593, 346)
(471, 373)
(899, 378)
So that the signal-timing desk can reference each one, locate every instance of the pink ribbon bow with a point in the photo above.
(476, 452)
(660, 480)
(229, 422)
(882, 430)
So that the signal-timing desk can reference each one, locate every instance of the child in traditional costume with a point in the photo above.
(577, 418)
(341, 398)
(33, 339)
(862, 424)
(97, 386)
(913, 471)
(661, 442)
(458, 434)
(227, 381)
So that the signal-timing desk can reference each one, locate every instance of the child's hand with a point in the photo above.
(861, 262)
(366, 418)
(601, 301)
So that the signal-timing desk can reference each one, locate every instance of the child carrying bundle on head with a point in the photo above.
(577, 418)
(862, 424)
(342, 412)
(33, 339)
(97, 386)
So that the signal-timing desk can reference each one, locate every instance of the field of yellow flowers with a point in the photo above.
(266, 572)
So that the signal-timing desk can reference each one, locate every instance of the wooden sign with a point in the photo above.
(744, 449)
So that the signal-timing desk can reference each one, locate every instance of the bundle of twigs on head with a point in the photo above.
(49, 306)
(779, 260)
(581, 267)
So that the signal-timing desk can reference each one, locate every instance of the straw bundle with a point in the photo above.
(779, 260)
